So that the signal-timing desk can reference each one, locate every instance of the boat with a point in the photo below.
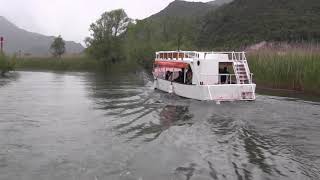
(205, 76)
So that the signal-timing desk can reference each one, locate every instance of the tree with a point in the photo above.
(57, 48)
(106, 41)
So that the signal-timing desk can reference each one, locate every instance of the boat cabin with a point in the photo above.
(202, 68)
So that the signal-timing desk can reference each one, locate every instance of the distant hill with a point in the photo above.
(17, 39)
(245, 22)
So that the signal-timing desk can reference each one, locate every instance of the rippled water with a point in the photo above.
(87, 126)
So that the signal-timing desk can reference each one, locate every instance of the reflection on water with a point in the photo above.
(88, 126)
(8, 78)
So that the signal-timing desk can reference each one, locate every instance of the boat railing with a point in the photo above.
(221, 79)
(232, 55)
(181, 55)
(176, 55)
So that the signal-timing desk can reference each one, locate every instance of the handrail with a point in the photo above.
(230, 78)
(172, 55)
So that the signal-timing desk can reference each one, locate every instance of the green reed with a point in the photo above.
(6, 63)
(296, 70)
(81, 63)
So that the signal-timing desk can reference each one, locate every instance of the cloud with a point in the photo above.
(71, 18)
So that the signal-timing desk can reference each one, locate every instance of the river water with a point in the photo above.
(85, 126)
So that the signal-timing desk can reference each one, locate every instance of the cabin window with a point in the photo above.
(226, 73)
(174, 74)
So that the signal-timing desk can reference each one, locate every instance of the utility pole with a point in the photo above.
(1, 42)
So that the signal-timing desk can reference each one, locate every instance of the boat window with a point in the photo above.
(226, 73)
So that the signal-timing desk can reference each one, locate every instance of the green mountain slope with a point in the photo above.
(184, 9)
(244, 22)
(219, 2)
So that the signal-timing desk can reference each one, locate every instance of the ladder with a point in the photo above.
(241, 68)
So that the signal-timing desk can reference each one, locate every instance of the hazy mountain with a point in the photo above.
(17, 39)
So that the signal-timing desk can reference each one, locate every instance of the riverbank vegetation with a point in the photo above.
(295, 70)
(79, 63)
(6, 64)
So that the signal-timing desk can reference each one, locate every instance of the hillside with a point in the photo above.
(220, 2)
(183, 9)
(17, 39)
(186, 9)
(245, 22)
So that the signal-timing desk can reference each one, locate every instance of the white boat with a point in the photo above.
(207, 76)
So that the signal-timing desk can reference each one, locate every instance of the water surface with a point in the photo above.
(89, 126)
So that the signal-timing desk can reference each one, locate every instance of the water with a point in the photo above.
(93, 127)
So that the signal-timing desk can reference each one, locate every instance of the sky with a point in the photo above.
(71, 18)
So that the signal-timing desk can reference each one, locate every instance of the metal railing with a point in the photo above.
(180, 55)
(176, 55)
(222, 79)
(232, 55)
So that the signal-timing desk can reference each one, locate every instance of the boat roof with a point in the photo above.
(191, 55)
(206, 52)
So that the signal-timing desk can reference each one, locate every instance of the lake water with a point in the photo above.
(85, 126)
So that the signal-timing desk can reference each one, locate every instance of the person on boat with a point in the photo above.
(224, 76)
(179, 79)
(168, 75)
(189, 76)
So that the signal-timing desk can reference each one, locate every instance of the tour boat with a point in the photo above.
(206, 76)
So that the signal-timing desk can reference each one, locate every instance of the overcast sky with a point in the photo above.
(71, 18)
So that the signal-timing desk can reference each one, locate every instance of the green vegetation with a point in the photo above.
(146, 37)
(245, 22)
(297, 70)
(71, 64)
(57, 47)
(6, 64)
(106, 43)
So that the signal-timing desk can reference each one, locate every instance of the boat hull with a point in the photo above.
(221, 92)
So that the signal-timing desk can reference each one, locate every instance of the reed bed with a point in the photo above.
(6, 63)
(81, 63)
(294, 69)
(50, 63)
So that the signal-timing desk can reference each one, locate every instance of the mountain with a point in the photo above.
(219, 2)
(246, 22)
(17, 39)
(185, 9)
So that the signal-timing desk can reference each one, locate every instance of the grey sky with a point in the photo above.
(71, 18)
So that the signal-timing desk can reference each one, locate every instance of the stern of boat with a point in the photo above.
(230, 92)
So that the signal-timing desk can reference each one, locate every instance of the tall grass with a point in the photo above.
(296, 70)
(6, 64)
(80, 63)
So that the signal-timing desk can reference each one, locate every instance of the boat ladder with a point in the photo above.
(241, 69)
